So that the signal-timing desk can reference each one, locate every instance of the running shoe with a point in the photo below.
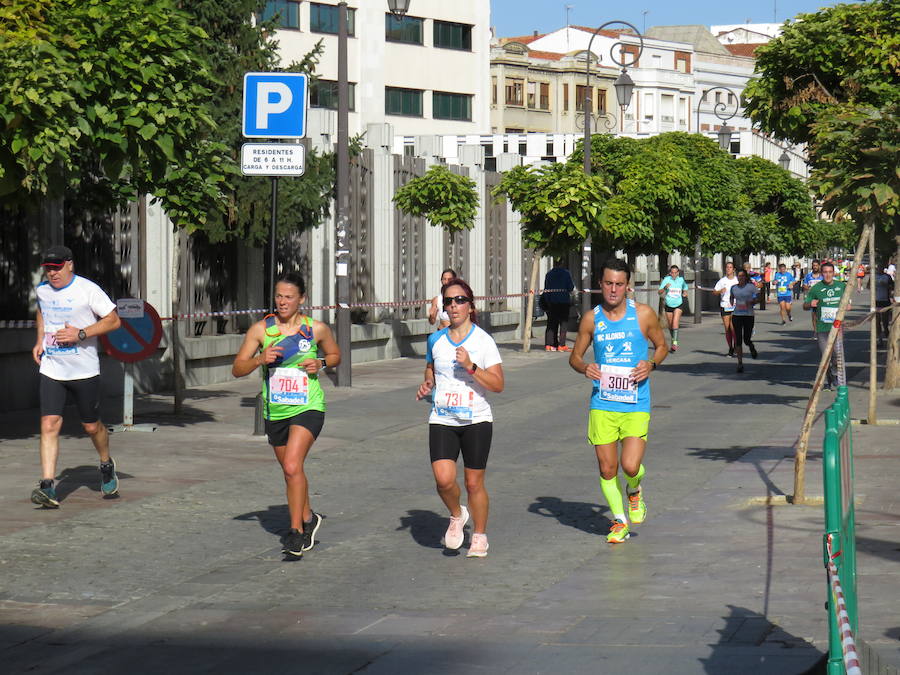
(564, 348)
(790, 318)
(309, 531)
(637, 509)
(109, 482)
(674, 347)
(293, 544)
(752, 351)
(548, 348)
(731, 353)
(783, 322)
(45, 495)
(478, 547)
(618, 533)
(453, 538)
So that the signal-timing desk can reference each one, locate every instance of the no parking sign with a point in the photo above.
(139, 335)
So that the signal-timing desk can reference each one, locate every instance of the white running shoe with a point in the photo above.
(453, 538)
(478, 548)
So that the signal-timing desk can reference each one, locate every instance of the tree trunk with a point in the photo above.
(892, 371)
(529, 301)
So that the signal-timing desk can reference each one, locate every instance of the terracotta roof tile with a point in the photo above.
(608, 33)
(743, 50)
(548, 56)
(525, 39)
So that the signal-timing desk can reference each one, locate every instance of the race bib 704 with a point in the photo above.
(289, 386)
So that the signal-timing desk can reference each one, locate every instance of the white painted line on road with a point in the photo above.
(374, 623)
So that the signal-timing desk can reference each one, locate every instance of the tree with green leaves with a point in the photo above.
(106, 100)
(446, 199)
(237, 45)
(559, 207)
(832, 80)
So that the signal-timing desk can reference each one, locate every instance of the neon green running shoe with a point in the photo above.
(637, 509)
(618, 533)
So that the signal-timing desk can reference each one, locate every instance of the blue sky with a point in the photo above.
(522, 17)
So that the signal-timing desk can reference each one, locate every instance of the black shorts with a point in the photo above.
(86, 394)
(722, 312)
(473, 440)
(671, 310)
(743, 328)
(279, 430)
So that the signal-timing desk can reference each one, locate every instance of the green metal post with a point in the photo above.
(840, 518)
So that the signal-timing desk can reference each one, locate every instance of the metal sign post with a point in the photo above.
(136, 339)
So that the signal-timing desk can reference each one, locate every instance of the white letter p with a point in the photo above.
(265, 106)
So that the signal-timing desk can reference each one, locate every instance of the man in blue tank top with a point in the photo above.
(621, 331)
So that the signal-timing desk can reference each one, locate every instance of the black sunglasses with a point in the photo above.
(460, 300)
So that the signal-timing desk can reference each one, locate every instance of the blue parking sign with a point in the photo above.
(275, 105)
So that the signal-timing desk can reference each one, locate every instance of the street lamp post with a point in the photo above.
(785, 160)
(624, 87)
(342, 257)
(720, 110)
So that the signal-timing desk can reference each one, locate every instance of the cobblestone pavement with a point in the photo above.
(183, 573)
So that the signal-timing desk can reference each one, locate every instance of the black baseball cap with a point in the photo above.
(56, 256)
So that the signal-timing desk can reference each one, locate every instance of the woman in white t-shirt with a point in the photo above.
(726, 307)
(436, 313)
(462, 365)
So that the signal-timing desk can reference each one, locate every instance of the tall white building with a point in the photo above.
(427, 73)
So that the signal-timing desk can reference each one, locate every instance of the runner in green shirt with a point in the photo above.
(824, 299)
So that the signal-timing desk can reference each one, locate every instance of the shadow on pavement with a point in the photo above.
(584, 516)
(425, 527)
(773, 399)
(745, 628)
(275, 520)
(86, 475)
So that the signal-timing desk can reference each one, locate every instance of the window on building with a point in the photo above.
(730, 99)
(682, 111)
(324, 94)
(718, 97)
(453, 35)
(515, 90)
(628, 54)
(493, 91)
(682, 62)
(648, 106)
(565, 96)
(667, 108)
(324, 19)
(531, 88)
(601, 100)
(286, 11)
(580, 93)
(399, 101)
(544, 102)
(447, 106)
(407, 29)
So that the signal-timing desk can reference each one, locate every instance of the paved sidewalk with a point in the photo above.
(183, 573)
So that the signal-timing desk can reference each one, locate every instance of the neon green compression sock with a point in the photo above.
(675, 335)
(671, 332)
(613, 493)
(634, 482)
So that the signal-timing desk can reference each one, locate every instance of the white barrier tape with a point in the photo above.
(848, 644)
(31, 323)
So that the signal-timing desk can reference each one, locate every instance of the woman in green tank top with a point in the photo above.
(291, 349)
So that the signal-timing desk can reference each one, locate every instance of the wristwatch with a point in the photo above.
(81, 334)
(652, 364)
(324, 364)
(474, 368)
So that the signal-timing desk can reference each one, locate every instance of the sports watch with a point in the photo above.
(81, 334)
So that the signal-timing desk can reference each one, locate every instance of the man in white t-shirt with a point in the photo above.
(726, 307)
(72, 311)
